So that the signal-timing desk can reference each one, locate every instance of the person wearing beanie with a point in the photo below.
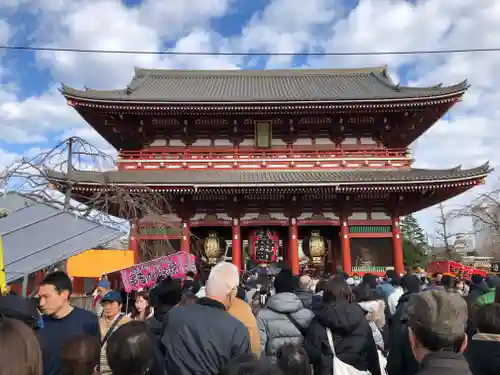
(284, 319)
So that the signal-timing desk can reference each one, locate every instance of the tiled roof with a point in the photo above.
(246, 86)
(277, 178)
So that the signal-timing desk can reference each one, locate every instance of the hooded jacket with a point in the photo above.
(352, 337)
(275, 328)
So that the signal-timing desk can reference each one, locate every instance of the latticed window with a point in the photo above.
(263, 134)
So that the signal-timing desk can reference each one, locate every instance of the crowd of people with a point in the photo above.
(284, 324)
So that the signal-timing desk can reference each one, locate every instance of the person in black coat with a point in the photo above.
(401, 360)
(163, 297)
(483, 351)
(351, 333)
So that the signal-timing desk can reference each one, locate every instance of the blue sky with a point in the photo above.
(34, 116)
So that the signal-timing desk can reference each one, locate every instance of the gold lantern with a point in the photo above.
(211, 247)
(317, 247)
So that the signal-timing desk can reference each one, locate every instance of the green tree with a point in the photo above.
(415, 243)
(413, 255)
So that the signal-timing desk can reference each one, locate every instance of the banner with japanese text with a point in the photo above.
(146, 274)
(457, 269)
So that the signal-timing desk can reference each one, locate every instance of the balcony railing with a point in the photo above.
(202, 154)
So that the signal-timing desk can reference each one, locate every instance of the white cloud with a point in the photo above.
(4, 31)
(7, 158)
(88, 25)
(172, 18)
(286, 26)
(30, 120)
(104, 25)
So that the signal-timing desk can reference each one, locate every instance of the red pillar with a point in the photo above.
(345, 246)
(333, 253)
(293, 247)
(134, 243)
(236, 245)
(397, 246)
(186, 237)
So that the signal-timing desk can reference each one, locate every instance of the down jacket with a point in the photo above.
(275, 327)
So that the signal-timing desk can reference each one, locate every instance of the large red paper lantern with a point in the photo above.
(264, 244)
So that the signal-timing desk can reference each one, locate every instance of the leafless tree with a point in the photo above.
(484, 212)
(444, 236)
(109, 205)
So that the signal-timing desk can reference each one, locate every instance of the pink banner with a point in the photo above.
(146, 274)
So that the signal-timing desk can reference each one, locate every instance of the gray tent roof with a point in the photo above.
(36, 235)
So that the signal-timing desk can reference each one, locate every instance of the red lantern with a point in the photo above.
(264, 244)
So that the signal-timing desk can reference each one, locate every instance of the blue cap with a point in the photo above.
(104, 284)
(112, 296)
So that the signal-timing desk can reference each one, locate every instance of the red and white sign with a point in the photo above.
(457, 269)
(147, 274)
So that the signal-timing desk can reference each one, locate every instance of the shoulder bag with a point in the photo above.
(111, 329)
(339, 367)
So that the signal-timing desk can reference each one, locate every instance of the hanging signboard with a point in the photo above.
(264, 244)
(146, 274)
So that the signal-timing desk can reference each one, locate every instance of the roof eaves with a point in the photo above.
(478, 173)
(84, 96)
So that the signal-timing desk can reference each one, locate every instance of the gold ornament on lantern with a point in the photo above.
(211, 247)
(317, 247)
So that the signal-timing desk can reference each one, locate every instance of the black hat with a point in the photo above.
(411, 283)
(20, 308)
(285, 282)
(168, 292)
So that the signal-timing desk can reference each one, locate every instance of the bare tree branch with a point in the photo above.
(443, 234)
(109, 204)
(484, 212)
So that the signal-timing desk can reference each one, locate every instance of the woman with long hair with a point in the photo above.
(342, 320)
(141, 309)
(20, 352)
